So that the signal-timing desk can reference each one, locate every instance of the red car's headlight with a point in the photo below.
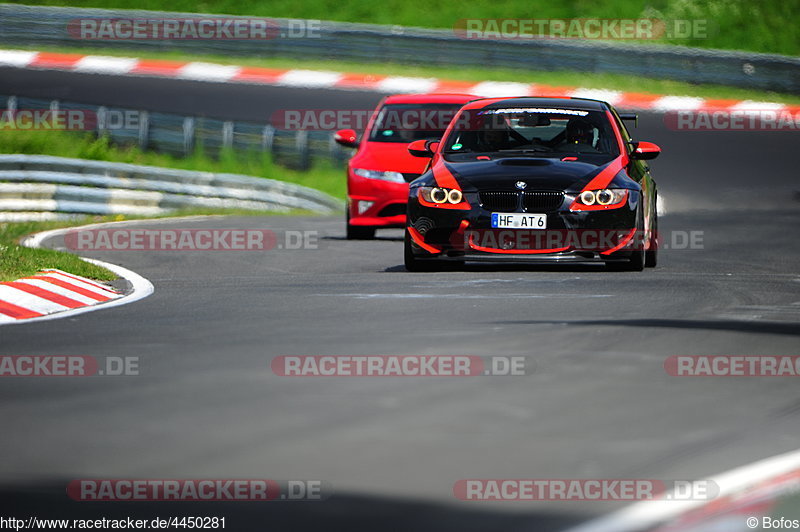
(394, 177)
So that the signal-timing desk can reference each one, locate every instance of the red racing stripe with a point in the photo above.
(622, 243)
(46, 294)
(606, 175)
(420, 241)
(71, 287)
(443, 177)
(13, 311)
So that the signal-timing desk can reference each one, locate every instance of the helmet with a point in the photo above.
(580, 131)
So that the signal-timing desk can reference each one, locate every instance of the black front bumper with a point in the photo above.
(570, 236)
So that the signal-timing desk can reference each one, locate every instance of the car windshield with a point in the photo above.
(532, 131)
(408, 122)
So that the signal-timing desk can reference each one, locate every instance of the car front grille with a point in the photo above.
(542, 201)
(533, 201)
(499, 201)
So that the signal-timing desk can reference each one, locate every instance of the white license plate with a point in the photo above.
(501, 220)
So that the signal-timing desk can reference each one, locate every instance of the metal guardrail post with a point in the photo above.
(301, 145)
(144, 130)
(227, 135)
(268, 139)
(332, 150)
(188, 135)
(102, 120)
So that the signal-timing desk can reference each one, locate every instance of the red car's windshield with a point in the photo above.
(408, 122)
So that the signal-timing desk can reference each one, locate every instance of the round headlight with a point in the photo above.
(587, 197)
(439, 195)
(604, 197)
(454, 196)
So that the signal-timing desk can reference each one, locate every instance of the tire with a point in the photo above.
(636, 262)
(355, 232)
(413, 264)
(651, 255)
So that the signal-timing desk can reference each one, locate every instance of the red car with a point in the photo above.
(380, 171)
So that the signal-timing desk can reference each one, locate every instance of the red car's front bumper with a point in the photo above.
(376, 203)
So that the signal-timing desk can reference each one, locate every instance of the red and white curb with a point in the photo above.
(48, 292)
(320, 79)
(52, 294)
(765, 475)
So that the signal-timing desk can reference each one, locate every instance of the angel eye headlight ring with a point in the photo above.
(604, 197)
(454, 196)
(588, 197)
(438, 195)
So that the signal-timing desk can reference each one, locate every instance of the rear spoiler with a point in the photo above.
(630, 117)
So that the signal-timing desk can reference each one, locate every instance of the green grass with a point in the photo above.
(17, 261)
(763, 26)
(559, 78)
(85, 146)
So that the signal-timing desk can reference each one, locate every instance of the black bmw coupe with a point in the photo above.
(535, 180)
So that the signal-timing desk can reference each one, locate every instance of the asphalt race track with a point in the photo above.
(599, 404)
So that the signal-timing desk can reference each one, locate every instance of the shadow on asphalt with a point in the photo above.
(378, 238)
(763, 327)
(527, 267)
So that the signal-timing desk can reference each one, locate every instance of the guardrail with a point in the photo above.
(28, 25)
(34, 184)
(182, 135)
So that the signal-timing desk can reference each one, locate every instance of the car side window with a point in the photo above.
(626, 137)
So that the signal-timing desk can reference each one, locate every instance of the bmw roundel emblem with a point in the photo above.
(521, 185)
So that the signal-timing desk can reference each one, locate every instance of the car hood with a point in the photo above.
(538, 173)
(387, 156)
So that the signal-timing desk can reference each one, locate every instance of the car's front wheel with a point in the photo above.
(651, 255)
(637, 259)
(356, 232)
(414, 264)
